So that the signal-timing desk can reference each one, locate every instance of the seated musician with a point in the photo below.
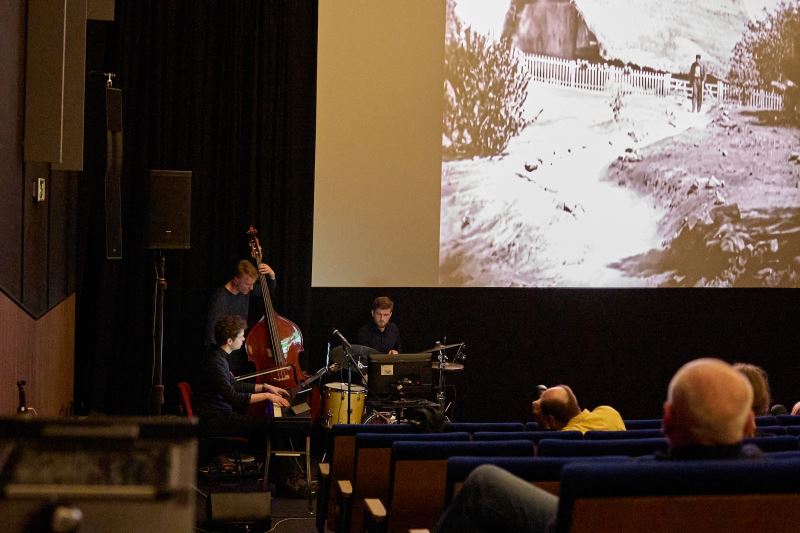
(379, 333)
(219, 400)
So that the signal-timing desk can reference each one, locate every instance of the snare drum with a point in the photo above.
(334, 404)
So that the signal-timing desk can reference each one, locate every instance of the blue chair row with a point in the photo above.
(545, 472)
(731, 496)
(643, 446)
(766, 420)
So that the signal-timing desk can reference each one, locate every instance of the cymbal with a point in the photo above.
(359, 351)
(442, 347)
(447, 367)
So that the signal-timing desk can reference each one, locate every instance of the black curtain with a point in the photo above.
(227, 90)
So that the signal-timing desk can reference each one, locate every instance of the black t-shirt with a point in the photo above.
(383, 341)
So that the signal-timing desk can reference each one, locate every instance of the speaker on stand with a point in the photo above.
(167, 227)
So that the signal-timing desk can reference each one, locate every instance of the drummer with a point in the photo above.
(380, 333)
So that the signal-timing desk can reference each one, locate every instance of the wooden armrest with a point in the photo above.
(375, 509)
(419, 531)
(324, 469)
(345, 488)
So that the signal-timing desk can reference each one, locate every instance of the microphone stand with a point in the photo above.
(351, 363)
(157, 391)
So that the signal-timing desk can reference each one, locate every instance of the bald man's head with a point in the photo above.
(559, 405)
(708, 403)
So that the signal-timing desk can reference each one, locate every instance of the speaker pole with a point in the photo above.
(157, 394)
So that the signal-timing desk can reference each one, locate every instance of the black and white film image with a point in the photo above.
(621, 143)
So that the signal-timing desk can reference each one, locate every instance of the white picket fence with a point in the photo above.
(608, 78)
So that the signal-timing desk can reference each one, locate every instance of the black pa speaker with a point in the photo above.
(169, 210)
(240, 507)
(113, 173)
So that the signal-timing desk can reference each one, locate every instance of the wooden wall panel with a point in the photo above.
(42, 352)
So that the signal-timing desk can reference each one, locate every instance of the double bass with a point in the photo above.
(274, 343)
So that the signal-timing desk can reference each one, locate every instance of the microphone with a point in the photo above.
(341, 338)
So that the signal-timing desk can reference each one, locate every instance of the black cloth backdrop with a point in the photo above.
(225, 89)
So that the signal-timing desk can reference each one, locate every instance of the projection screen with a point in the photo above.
(574, 143)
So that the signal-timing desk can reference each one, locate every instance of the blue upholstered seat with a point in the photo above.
(774, 444)
(472, 427)
(630, 447)
(617, 481)
(644, 423)
(534, 436)
(629, 434)
(528, 468)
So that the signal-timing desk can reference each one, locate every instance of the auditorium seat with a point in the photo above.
(774, 444)
(732, 496)
(340, 449)
(644, 423)
(532, 426)
(373, 454)
(766, 420)
(629, 434)
(419, 475)
(770, 431)
(543, 472)
(630, 447)
(534, 436)
(793, 430)
(472, 427)
(788, 420)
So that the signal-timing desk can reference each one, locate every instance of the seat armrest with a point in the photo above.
(344, 505)
(324, 469)
(374, 516)
(323, 495)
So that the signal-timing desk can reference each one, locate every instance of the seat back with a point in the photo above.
(373, 453)
(778, 443)
(629, 434)
(629, 447)
(766, 420)
(341, 448)
(666, 496)
(534, 436)
(186, 397)
(419, 476)
(643, 423)
(472, 427)
(788, 420)
(544, 472)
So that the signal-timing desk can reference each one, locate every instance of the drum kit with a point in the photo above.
(345, 402)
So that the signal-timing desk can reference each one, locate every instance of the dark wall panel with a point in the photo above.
(62, 231)
(12, 91)
(616, 347)
(35, 220)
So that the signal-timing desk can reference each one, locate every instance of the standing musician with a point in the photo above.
(233, 298)
(380, 333)
(219, 400)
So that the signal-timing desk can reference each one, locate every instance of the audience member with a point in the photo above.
(760, 383)
(706, 415)
(557, 408)
(796, 409)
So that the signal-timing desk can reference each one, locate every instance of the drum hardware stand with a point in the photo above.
(441, 394)
(351, 363)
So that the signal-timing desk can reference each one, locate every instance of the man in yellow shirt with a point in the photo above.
(558, 409)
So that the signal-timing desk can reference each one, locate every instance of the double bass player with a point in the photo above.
(234, 298)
